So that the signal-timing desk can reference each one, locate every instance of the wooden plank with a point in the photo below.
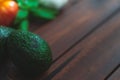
(75, 23)
(80, 27)
(35, 24)
(93, 58)
(72, 26)
(116, 75)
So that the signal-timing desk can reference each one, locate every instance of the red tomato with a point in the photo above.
(8, 11)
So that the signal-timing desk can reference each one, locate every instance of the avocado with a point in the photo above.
(29, 52)
(4, 34)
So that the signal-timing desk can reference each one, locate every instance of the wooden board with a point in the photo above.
(68, 35)
(115, 75)
(84, 39)
(94, 57)
(75, 23)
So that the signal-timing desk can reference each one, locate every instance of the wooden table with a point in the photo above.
(85, 41)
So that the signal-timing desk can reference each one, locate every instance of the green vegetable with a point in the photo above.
(4, 34)
(32, 7)
(21, 15)
(21, 21)
(43, 12)
(29, 52)
(28, 4)
(24, 25)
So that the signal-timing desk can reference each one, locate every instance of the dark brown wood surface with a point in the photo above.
(116, 75)
(94, 57)
(85, 41)
(75, 23)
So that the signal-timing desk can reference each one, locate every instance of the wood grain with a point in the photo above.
(68, 35)
(36, 24)
(83, 48)
(86, 18)
(94, 57)
(116, 75)
(76, 22)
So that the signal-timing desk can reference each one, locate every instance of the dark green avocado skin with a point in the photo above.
(29, 52)
(4, 34)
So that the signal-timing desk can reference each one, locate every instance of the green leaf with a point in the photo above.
(22, 14)
(28, 4)
(44, 13)
(24, 25)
